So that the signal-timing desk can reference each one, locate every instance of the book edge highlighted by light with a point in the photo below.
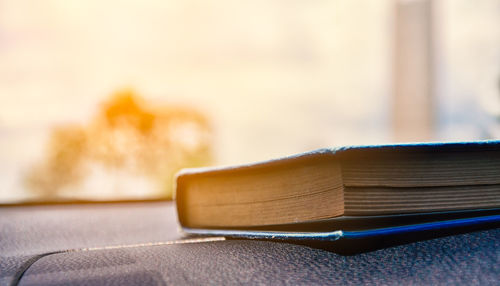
(333, 151)
(338, 234)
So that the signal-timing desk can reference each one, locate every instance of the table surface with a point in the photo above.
(140, 244)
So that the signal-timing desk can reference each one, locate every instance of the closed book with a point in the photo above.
(356, 188)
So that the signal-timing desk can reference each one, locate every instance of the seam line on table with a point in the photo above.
(170, 242)
(17, 279)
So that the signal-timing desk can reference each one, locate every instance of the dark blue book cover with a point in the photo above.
(396, 226)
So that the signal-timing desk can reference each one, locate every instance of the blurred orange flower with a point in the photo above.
(129, 135)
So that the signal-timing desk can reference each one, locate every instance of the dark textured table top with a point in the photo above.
(139, 244)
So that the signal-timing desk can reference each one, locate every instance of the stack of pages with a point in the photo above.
(358, 188)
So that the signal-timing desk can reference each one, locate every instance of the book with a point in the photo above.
(356, 188)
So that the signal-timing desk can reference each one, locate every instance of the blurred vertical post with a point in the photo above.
(413, 99)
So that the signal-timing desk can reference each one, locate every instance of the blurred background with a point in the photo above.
(105, 100)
